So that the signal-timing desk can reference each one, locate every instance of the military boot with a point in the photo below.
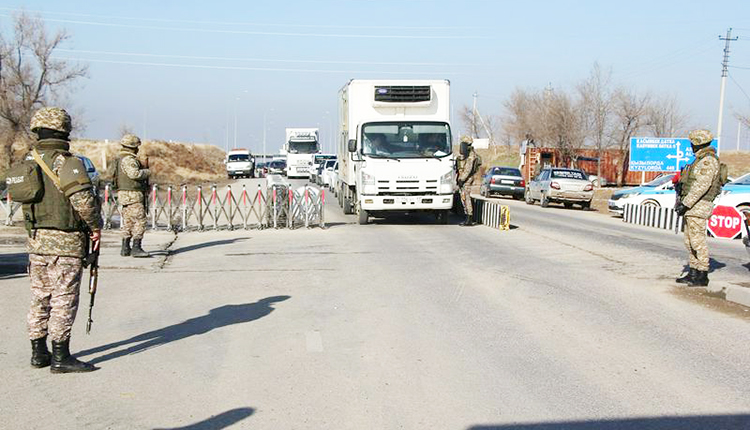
(137, 251)
(700, 279)
(125, 250)
(468, 222)
(40, 356)
(687, 279)
(63, 362)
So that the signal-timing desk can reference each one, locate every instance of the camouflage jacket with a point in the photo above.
(132, 168)
(704, 172)
(468, 168)
(67, 244)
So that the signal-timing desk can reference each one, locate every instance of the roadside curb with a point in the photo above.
(731, 292)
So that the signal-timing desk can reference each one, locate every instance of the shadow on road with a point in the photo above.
(216, 318)
(206, 245)
(223, 420)
(712, 266)
(13, 265)
(698, 422)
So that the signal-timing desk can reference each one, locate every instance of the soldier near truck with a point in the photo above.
(131, 182)
(59, 225)
(468, 174)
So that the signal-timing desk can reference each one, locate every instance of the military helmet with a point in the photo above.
(53, 118)
(467, 139)
(700, 137)
(130, 141)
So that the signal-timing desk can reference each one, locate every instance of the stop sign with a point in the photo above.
(726, 221)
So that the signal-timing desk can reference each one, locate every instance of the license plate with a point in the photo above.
(407, 200)
(506, 182)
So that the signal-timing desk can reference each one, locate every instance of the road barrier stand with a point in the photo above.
(491, 213)
(652, 216)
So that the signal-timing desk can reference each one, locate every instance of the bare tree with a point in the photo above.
(30, 77)
(664, 118)
(745, 119)
(596, 100)
(630, 111)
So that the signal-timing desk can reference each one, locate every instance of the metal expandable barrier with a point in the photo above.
(491, 213)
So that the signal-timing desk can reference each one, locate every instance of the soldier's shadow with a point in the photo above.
(216, 318)
(713, 265)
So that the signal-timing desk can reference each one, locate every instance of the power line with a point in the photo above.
(270, 60)
(228, 23)
(266, 69)
(739, 86)
(253, 33)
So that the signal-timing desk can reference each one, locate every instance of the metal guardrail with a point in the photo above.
(200, 208)
(491, 213)
(652, 216)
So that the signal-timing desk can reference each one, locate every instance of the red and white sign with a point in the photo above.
(726, 221)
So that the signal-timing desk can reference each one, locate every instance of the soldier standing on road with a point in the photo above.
(131, 181)
(699, 185)
(58, 226)
(468, 173)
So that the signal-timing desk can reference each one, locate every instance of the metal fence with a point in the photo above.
(278, 205)
(491, 213)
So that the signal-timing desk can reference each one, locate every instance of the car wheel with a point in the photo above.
(651, 203)
(362, 216)
(545, 201)
(568, 205)
(586, 205)
(529, 200)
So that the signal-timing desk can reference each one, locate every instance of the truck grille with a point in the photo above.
(402, 94)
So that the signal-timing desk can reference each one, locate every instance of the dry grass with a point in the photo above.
(738, 162)
(170, 162)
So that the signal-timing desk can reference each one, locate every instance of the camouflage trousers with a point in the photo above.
(55, 284)
(695, 242)
(466, 198)
(133, 223)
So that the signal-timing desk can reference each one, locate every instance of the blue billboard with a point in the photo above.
(660, 154)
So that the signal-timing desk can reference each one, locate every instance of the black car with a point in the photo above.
(503, 181)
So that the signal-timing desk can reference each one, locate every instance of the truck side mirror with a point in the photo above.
(352, 145)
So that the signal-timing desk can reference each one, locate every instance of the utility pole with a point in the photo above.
(474, 117)
(724, 73)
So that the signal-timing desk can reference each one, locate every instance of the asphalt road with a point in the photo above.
(570, 320)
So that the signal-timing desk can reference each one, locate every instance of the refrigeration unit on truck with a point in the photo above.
(394, 150)
(240, 163)
(300, 146)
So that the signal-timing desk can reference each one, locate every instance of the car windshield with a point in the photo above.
(320, 158)
(277, 164)
(239, 157)
(568, 174)
(742, 180)
(506, 171)
(406, 140)
(661, 180)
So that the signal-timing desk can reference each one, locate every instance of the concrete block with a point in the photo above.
(739, 295)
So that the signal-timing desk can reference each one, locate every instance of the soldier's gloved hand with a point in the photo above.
(681, 209)
(96, 237)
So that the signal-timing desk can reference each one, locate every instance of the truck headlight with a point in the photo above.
(447, 183)
(369, 185)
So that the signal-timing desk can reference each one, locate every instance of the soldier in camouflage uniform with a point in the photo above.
(59, 227)
(131, 181)
(469, 163)
(699, 185)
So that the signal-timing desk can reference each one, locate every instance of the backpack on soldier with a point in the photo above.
(24, 181)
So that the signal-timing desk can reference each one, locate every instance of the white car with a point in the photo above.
(659, 193)
(326, 175)
(736, 193)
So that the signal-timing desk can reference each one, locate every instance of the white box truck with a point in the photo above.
(394, 148)
(300, 146)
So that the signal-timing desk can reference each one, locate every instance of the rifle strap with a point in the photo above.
(55, 179)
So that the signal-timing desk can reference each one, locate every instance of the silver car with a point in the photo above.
(559, 185)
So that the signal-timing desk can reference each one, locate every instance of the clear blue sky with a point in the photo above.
(179, 69)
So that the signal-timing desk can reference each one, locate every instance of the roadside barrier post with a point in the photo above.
(215, 205)
(154, 197)
(169, 207)
(184, 208)
(230, 214)
(322, 208)
(290, 216)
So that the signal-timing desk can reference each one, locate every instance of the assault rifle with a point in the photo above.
(93, 261)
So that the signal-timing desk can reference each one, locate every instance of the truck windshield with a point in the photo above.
(239, 157)
(303, 147)
(406, 140)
